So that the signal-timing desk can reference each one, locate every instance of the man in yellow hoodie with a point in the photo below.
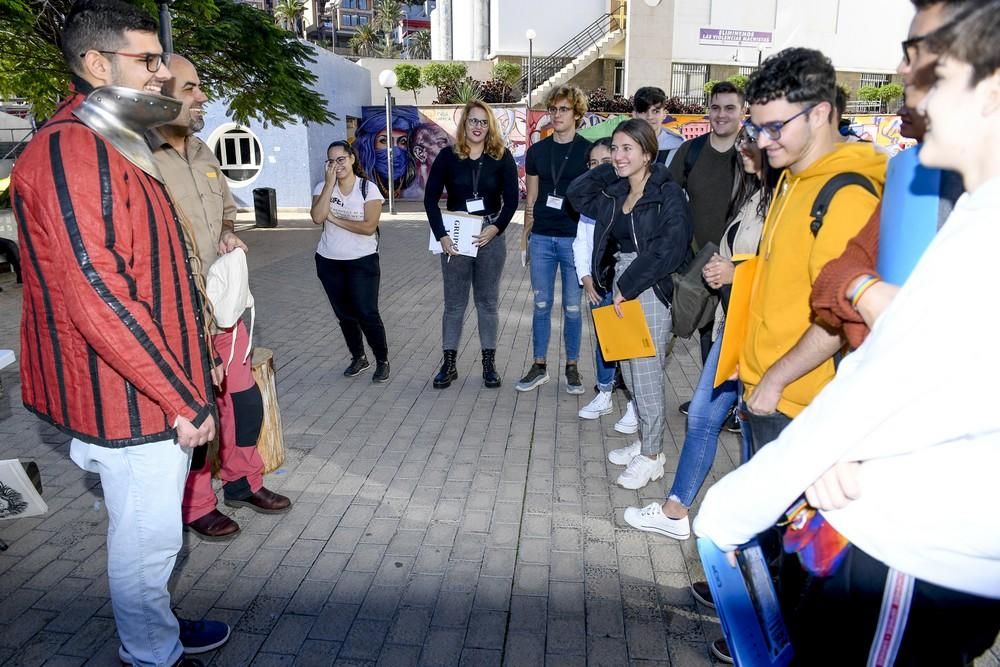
(792, 100)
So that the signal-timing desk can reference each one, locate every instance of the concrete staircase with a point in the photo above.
(589, 55)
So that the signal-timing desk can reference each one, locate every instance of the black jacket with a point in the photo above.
(661, 228)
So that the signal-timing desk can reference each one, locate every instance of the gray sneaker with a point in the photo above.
(537, 375)
(574, 385)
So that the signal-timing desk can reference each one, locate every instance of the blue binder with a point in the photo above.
(909, 218)
(747, 606)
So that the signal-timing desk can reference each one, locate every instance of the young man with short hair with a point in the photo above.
(549, 230)
(111, 323)
(707, 168)
(791, 101)
(650, 104)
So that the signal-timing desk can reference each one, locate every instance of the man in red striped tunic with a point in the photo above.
(113, 352)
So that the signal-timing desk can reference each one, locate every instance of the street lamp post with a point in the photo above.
(530, 34)
(387, 79)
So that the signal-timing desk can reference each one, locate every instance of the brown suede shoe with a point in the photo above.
(264, 501)
(214, 527)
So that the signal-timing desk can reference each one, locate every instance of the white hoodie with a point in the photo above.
(917, 404)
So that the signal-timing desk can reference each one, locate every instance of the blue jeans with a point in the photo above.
(549, 253)
(143, 486)
(706, 416)
(605, 369)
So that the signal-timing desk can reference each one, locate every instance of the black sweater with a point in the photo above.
(498, 187)
(660, 223)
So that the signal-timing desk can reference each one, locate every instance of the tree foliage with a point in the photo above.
(240, 54)
(443, 76)
(288, 14)
(387, 16)
(420, 45)
(408, 78)
(365, 41)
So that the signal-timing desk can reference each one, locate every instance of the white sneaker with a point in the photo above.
(601, 405)
(641, 471)
(652, 520)
(629, 423)
(624, 456)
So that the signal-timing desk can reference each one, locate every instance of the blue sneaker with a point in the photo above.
(203, 636)
(196, 637)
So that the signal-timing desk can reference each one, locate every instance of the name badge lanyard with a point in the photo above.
(555, 200)
(476, 204)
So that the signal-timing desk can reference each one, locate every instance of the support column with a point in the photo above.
(444, 7)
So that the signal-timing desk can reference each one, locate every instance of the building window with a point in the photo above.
(619, 77)
(872, 79)
(238, 151)
(363, 20)
(348, 4)
(688, 82)
(362, 4)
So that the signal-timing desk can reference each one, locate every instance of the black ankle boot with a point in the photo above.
(490, 376)
(448, 372)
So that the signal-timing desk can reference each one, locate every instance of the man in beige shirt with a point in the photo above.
(199, 190)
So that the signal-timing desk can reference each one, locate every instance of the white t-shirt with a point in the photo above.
(337, 242)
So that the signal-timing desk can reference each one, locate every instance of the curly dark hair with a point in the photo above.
(796, 74)
(971, 38)
(99, 25)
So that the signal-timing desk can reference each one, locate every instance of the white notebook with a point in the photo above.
(461, 228)
(18, 497)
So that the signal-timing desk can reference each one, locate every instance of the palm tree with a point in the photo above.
(388, 15)
(288, 13)
(365, 41)
(420, 45)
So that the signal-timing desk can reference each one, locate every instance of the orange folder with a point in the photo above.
(623, 337)
(736, 317)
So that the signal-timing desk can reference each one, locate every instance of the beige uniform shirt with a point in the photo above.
(198, 187)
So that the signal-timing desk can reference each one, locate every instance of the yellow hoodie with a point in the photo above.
(790, 259)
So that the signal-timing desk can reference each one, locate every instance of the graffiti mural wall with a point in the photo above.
(419, 134)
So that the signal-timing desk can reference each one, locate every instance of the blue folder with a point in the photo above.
(747, 605)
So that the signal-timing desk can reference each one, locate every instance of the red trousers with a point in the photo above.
(237, 462)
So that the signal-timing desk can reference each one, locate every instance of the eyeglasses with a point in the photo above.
(745, 141)
(772, 130)
(556, 110)
(478, 122)
(910, 45)
(152, 60)
(339, 161)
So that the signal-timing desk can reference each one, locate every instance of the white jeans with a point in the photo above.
(143, 486)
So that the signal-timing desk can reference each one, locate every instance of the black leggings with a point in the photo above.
(352, 287)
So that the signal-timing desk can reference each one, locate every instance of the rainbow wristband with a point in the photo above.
(861, 289)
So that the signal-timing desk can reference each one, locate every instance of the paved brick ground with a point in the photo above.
(458, 527)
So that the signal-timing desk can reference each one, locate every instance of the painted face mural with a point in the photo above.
(370, 142)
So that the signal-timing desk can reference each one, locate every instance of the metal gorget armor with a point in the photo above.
(123, 115)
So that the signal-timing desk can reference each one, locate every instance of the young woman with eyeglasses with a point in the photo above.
(480, 176)
(349, 208)
(643, 234)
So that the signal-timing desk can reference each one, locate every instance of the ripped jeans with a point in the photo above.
(547, 254)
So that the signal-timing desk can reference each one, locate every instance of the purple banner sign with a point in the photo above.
(729, 37)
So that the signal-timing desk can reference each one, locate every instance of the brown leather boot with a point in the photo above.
(264, 501)
(214, 527)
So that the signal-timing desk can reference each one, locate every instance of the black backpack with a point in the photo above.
(821, 206)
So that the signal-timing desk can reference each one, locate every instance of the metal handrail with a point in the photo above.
(15, 150)
(543, 69)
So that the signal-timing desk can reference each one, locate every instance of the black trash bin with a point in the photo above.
(265, 207)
